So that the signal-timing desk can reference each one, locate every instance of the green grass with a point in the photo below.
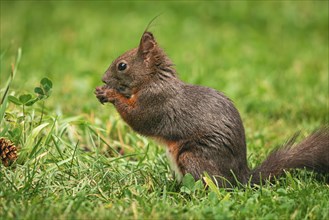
(80, 160)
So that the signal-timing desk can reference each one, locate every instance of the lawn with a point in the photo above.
(78, 160)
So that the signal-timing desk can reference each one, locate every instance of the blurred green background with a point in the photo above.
(271, 58)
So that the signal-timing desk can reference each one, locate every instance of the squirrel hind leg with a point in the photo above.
(193, 160)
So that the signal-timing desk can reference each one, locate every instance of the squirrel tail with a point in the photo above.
(312, 153)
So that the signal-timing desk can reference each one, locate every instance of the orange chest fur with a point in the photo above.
(125, 105)
(172, 150)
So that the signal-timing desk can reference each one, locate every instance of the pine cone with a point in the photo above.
(8, 152)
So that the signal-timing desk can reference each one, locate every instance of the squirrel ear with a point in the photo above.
(147, 43)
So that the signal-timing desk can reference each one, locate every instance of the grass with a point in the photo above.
(79, 160)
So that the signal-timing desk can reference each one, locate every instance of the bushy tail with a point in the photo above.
(312, 153)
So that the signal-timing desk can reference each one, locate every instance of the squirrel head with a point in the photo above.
(139, 67)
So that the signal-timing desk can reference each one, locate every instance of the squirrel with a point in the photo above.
(201, 128)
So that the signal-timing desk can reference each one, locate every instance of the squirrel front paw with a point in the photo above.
(105, 94)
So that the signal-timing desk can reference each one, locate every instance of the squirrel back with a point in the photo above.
(200, 126)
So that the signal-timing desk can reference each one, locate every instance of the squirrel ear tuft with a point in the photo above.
(147, 43)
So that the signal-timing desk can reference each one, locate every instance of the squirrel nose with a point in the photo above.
(104, 80)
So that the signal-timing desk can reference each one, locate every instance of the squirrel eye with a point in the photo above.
(122, 66)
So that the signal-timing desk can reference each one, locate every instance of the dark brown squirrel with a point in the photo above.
(200, 126)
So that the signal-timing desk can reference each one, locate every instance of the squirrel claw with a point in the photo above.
(103, 94)
(100, 94)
